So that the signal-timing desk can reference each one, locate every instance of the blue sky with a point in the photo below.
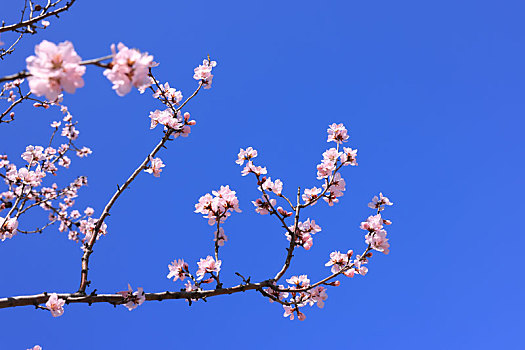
(432, 95)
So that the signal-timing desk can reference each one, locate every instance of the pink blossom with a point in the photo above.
(178, 270)
(208, 265)
(33, 154)
(378, 241)
(338, 261)
(250, 168)
(55, 305)
(55, 124)
(298, 282)
(53, 69)
(203, 73)
(262, 206)
(89, 211)
(376, 202)
(84, 152)
(168, 93)
(288, 311)
(332, 154)
(318, 295)
(220, 237)
(276, 293)
(349, 157)
(310, 195)
(337, 133)
(247, 154)
(218, 208)
(133, 299)
(373, 223)
(325, 169)
(36, 347)
(156, 167)
(129, 68)
(8, 228)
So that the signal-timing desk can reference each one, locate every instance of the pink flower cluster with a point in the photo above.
(24, 185)
(181, 125)
(133, 299)
(203, 73)
(8, 227)
(208, 265)
(168, 94)
(178, 270)
(53, 69)
(303, 233)
(218, 208)
(129, 68)
(376, 236)
(155, 166)
(300, 298)
(341, 262)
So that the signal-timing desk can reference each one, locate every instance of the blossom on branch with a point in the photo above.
(203, 72)
(53, 69)
(218, 208)
(129, 68)
(156, 167)
(178, 270)
(208, 265)
(133, 299)
(55, 305)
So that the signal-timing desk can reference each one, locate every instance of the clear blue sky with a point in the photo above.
(432, 94)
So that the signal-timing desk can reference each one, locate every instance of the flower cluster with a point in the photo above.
(208, 265)
(300, 293)
(203, 72)
(53, 69)
(180, 124)
(219, 206)
(303, 233)
(24, 185)
(178, 270)
(132, 299)
(168, 94)
(376, 236)
(155, 167)
(129, 68)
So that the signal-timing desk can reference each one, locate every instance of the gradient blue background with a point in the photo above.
(432, 95)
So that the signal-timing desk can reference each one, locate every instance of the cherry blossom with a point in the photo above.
(318, 295)
(208, 265)
(156, 167)
(378, 241)
(53, 69)
(376, 202)
(247, 154)
(55, 305)
(310, 195)
(8, 228)
(203, 72)
(250, 168)
(133, 299)
(337, 133)
(373, 223)
(169, 94)
(349, 156)
(220, 237)
(218, 208)
(262, 206)
(178, 270)
(129, 68)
